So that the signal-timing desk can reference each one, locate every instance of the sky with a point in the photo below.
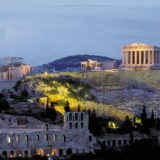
(41, 31)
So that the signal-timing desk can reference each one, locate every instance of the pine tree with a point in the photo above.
(144, 116)
(152, 115)
(79, 108)
(134, 120)
(67, 107)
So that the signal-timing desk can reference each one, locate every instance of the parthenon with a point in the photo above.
(140, 56)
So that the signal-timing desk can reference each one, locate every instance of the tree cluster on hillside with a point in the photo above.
(3, 103)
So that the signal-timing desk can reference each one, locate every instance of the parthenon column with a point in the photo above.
(124, 58)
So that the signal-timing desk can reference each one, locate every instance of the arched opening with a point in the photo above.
(11, 154)
(4, 153)
(40, 152)
(69, 151)
(8, 139)
(60, 152)
(18, 153)
(76, 125)
(70, 125)
(76, 116)
(54, 152)
(37, 138)
(81, 125)
(25, 153)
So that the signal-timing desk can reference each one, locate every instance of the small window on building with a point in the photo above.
(60, 152)
(81, 116)
(76, 117)
(70, 116)
(81, 125)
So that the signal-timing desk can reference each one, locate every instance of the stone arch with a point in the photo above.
(76, 125)
(19, 153)
(81, 125)
(26, 153)
(40, 152)
(60, 152)
(70, 125)
(69, 151)
(11, 154)
(54, 152)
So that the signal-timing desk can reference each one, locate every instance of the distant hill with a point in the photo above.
(71, 63)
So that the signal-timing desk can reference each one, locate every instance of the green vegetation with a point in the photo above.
(75, 88)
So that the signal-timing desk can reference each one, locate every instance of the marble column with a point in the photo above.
(124, 60)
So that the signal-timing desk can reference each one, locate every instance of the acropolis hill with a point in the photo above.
(118, 93)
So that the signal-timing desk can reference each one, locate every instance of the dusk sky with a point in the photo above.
(44, 30)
